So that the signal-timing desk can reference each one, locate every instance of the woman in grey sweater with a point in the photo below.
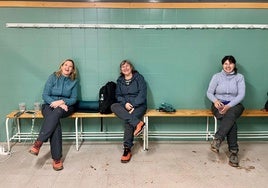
(226, 91)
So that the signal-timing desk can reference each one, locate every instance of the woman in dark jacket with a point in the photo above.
(131, 95)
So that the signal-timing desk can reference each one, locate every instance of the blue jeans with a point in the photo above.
(51, 128)
(131, 120)
(227, 125)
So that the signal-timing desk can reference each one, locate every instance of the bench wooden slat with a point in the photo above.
(149, 113)
(38, 114)
(180, 113)
(90, 115)
(254, 113)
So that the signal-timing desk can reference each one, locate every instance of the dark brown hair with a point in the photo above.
(231, 59)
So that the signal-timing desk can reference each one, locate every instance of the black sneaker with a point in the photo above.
(215, 145)
(233, 159)
(126, 155)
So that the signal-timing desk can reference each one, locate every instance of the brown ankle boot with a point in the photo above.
(139, 128)
(57, 165)
(126, 155)
(36, 147)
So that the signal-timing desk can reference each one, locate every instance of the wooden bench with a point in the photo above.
(179, 134)
(18, 135)
(78, 134)
(81, 134)
(207, 133)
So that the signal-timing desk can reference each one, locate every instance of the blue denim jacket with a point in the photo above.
(60, 88)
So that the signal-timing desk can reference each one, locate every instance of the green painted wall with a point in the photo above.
(177, 64)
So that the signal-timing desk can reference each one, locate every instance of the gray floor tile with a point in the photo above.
(165, 164)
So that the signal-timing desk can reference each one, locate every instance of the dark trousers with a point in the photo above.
(227, 125)
(131, 120)
(51, 128)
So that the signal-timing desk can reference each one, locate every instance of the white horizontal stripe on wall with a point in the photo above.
(137, 26)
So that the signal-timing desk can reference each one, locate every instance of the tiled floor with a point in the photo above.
(165, 164)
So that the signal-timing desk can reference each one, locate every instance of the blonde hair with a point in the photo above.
(73, 73)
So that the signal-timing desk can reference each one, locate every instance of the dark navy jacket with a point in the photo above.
(135, 93)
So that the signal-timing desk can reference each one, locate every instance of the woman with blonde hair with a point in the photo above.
(59, 95)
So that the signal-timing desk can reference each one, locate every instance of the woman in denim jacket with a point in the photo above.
(59, 95)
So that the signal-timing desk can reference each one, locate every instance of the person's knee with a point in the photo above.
(58, 111)
(237, 110)
(114, 106)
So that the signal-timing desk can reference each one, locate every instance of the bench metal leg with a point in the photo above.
(18, 126)
(207, 132)
(7, 135)
(76, 133)
(215, 126)
(78, 123)
(145, 133)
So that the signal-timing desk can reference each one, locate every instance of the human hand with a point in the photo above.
(128, 106)
(130, 111)
(64, 107)
(219, 105)
(224, 109)
(56, 104)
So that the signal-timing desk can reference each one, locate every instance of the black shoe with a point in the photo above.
(126, 155)
(215, 145)
(233, 159)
